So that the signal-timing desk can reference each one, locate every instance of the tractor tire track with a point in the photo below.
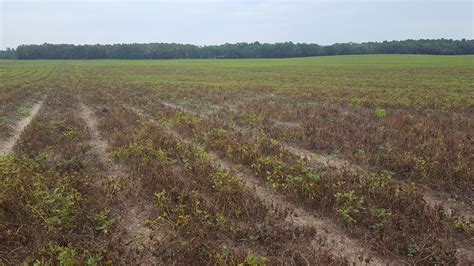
(99, 145)
(7, 145)
(132, 211)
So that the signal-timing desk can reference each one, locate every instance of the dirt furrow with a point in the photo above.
(174, 106)
(328, 235)
(449, 205)
(99, 144)
(132, 212)
(7, 145)
(318, 159)
(432, 198)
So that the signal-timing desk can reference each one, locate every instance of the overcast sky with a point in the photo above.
(220, 21)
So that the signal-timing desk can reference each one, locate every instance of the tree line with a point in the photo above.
(237, 50)
(8, 54)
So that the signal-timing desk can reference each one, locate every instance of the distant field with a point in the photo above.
(409, 80)
(275, 161)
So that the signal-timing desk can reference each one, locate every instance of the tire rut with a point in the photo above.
(133, 211)
(99, 145)
(7, 145)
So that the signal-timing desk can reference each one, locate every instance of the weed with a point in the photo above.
(253, 119)
(381, 215)
(355, 101)
(349, 205)
(201, 154)
(103, 221)
(223, 256)
(378, 181)
(380, 112)
(224, 182)
(72, 132)
(387, 149)
(412, 250)
(63, 255)
(464, 225)
(452, 199)
(67, 256)
(143, 153)
(23, 111)
(254, 260)
(95, 260)
(311, 174)
(55, 207)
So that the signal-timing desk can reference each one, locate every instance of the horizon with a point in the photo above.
(207, 23)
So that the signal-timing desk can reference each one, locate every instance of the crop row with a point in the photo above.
(372, 204)
(49, 208)
(207, 213)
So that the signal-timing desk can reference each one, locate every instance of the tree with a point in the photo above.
(237, 50)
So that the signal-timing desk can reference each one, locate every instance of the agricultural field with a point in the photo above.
(364, 160)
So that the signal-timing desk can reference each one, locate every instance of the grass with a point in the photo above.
(403, 124)
(23, 111)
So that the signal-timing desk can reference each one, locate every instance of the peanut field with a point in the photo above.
(364, 160)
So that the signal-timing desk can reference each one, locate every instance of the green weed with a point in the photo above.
(224, 182)
(380, 112)
(464, 225)
(103, 221)
(355, 101)
(95, 260)
(23, 111)
(349, 205)
(254, 260)
(381, 215)
(72, 132)
(375, 182)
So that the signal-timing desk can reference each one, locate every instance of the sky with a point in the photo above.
(206, 22)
